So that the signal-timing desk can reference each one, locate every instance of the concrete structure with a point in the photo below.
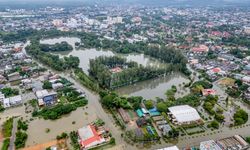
(209, 145)
(12, 101)
(184, 114)
(46, 98)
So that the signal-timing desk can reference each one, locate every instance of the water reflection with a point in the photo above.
(151, 89)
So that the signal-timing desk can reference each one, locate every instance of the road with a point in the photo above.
(13, 135)
(194, 140)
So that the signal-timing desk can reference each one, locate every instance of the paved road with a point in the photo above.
(13, 135)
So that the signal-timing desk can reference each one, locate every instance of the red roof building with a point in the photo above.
(116, 70)
(216, 70)
(90, 137)
(200, 49)
(206, 92)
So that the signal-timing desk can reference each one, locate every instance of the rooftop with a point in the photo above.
(184, 113)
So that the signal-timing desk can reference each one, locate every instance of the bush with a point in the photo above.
(112, 141)
(214, 124)
(62, 136)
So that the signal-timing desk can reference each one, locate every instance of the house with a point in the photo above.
(200, 49)
(124, 115)
(57, 86)
(116, 70)
(141, 122)
(246, 79)
(184, 114)
(14, 77)
(165, 128)
(154, 112)
(206, 92)
(46, 98)
(90, 137)
(235, 142)
(12, 101)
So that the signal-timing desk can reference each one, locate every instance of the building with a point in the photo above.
(124, 115)
(170, 148)
(235, 142)
(209, 145)
(184, 114)
(46, 98)
(206, 92)
(90, 137)
(200, 49)
(12, 101)
(14, 77)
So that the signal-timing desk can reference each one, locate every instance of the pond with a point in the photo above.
(86, 54)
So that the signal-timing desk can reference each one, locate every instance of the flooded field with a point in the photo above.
(153, 88)
(48, 129)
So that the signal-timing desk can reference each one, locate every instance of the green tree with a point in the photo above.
(161, 106)
(149, 104)
(47, 85)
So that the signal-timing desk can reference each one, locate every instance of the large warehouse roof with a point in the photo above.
(184, 113)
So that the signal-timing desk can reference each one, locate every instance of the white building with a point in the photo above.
(12, 101)
(209, 145)
(184, 114)
(169, 148)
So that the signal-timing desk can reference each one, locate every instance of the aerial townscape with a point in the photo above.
(124, 75)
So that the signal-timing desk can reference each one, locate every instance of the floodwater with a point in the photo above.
(37, 127)
(86, 54)
(149, 89)
(153, 88)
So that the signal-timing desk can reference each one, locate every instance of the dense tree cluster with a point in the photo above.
(59, 110)
(21, 138)
(8, 92)
(235, 40)
(209, 104)
(113, 100)
(131, 72)
(51, 60)
(63, 46)
(169, 55)
(7, 127)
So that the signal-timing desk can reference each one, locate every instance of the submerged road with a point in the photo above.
(13, 135)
